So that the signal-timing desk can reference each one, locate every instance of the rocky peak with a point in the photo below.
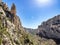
(11, 14)
(4, 6)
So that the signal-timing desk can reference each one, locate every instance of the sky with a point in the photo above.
(33, 12)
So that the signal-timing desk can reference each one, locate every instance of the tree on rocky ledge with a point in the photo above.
(13, 9)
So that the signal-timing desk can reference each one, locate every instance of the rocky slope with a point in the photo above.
(50, 29)
(12, 31)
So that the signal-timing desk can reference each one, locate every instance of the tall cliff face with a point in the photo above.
(50, 29)
(12, 32)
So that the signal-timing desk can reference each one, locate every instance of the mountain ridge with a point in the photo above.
(49, 29)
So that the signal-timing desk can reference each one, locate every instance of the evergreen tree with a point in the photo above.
(13, 9)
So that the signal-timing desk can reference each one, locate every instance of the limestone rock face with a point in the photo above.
(2, 11)
(50, 29)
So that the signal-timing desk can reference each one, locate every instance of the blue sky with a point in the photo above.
(32, 12)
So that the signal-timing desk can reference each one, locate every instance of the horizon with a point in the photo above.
(33, 13)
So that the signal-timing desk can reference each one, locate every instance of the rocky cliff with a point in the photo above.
(12, 31)
(50, 29)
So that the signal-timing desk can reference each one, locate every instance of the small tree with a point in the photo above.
(13, 9)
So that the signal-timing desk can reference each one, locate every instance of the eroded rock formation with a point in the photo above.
(50, 29)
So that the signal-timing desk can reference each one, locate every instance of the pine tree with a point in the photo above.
(13, 9)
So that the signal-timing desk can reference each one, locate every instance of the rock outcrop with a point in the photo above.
(50, 29)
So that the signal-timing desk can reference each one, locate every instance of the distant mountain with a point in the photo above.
(32, 31)
(12, 31)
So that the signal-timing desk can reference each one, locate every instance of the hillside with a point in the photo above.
(50, 29)
(12, 31)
